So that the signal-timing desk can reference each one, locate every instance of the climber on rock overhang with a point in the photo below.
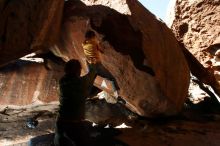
(92, 50)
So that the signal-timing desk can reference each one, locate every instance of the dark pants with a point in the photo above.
(103, 72)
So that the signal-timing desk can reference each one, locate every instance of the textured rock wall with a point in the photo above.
(27, 82)
(27, 26)
(197, 25)
(134, 43)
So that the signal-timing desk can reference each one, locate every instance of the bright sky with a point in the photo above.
(157, 7)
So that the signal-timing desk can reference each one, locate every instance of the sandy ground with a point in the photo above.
(191, 128)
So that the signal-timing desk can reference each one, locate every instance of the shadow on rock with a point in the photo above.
(87, 135)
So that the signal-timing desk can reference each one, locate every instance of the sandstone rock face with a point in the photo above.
(197, 25)
(27, 26)
(134, 43)
(26, 82)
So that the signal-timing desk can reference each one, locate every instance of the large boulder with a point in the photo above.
(27, 26)
(134, 44)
